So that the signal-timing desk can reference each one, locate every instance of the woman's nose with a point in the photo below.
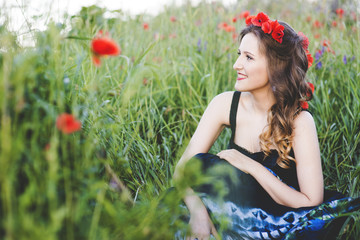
(237, 64)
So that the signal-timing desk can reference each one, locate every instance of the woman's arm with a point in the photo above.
(308, 165)
(213, 121)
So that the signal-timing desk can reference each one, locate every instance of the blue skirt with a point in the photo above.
(248, 212)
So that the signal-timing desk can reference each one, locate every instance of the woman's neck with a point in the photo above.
(262, 101)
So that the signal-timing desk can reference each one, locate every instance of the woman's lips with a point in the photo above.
(240, 78)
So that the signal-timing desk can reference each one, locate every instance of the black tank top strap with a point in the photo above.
(233, 113)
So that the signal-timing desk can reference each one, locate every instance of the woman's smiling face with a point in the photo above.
(251, 66)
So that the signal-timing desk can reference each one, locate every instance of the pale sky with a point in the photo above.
(20, 12)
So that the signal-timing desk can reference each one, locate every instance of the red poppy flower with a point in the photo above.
(244, 14)
(103, 45)
(325, 43)
(222, 25)
(146, 26)
(230, 28)
(260, 19)
(308, 18)
(309, 58)
(173, 18)
(334, 23)
(278, 31)
(67, 123)
(266, 27)
(234, 37)
(317, 24)
(249, 19)
(305, 41)
(340, 12)
(172, 35)
(234, 20)
(304, 105)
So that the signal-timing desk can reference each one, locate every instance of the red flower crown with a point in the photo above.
(268, 26)
(277, 31)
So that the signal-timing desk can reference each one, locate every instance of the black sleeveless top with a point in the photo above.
(288, 176)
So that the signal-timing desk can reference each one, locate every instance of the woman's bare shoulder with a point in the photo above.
(221, 104)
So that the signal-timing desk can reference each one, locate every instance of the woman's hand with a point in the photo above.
(201, 226)
(236, 159)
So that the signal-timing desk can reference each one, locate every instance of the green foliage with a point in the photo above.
(138, 112)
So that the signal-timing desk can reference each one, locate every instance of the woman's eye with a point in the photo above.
(248, 57)
(239, 53)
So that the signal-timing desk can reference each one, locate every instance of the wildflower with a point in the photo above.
(318, 65)
(325, 43)
(344, 59)
(353, 16)
(173, 19)
(334, 23)
(158, 36)
(145, 81)
(229, 28)
(102, 46)
(67, 123)
(199, 45)
(47, 147)
(318, 54)
(146, 26)
(308, 18)
(244, 14)
(234, 37)
(340, 12)
(317, 24)
(172, 35)
(234, 20)
(222, 25)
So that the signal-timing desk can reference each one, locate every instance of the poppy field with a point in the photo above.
(95, 116)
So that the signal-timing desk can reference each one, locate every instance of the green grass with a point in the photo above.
(56, 186)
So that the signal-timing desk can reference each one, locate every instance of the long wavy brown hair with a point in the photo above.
(287, 66)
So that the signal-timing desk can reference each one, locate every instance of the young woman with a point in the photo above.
(273, 149)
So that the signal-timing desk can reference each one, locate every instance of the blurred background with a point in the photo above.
(89, 141)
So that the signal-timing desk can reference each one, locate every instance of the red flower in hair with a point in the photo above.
(249, 19)
(309, 58)
(67, 123)
(244, 14)
(266, 27)
(278, 31)
(260, 19)
(305, 41)
(103, 45)
(304, 105)
(311, 87)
